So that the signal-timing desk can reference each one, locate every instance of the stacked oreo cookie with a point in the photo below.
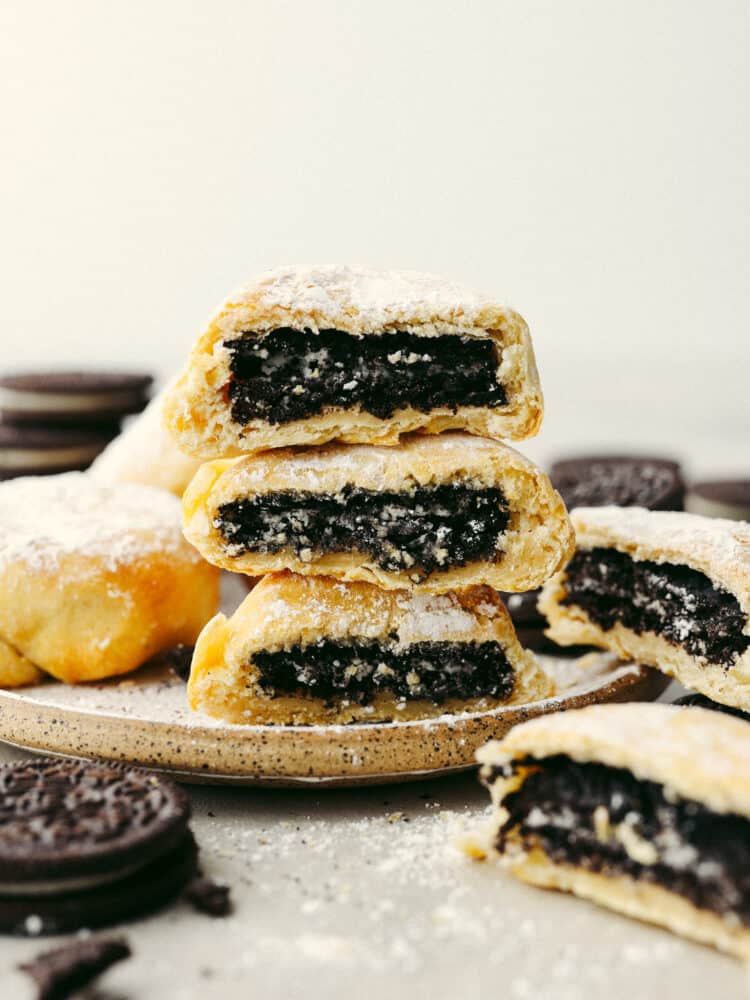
(598, 481)
(52, 422)
(351, 425)
(88, 844)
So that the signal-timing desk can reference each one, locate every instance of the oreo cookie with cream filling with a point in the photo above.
(71, 397)
(26, 450)
(728, 498)
(88, 844)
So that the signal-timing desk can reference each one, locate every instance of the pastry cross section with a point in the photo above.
(306, 650)
(436, 514)
(671, 590)
(307, 355)
(600, 805)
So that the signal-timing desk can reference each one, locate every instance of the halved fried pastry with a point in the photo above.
(668, 589)
(642, 808)
(305, 650)
(316, 354)
(437, 514)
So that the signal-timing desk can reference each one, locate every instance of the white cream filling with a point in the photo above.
(78, 883)
(67, 402)
(48, 458)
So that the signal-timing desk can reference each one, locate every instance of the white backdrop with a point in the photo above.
(586, 161)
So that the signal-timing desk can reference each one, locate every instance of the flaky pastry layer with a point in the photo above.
(700, 754)
(641, 900)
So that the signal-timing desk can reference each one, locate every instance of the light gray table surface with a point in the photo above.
(364, 893)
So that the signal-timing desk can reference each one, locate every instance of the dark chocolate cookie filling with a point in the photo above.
(357, 671)
(701, 855)
(676, 602)
(291, 374)
(430, 528)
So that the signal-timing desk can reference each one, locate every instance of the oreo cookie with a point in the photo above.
(701, 701)
(625, 481)
(720, 498)
(88, 844)
(71, 397)
(26, 450)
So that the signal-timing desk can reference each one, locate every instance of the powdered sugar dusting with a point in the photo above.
(44, 519)
(369, 294)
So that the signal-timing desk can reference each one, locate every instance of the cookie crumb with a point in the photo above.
(61, 972)
(210, 897)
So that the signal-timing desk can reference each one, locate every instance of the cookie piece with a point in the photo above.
(667, 589)
(625, 481)
(641, 808)
(209, 896)
(37, 451)
(729, 498)
(87, 844)
(315, 354)
(71, 397)
(436, 514)
(61, 972)
(96, 579)
(146, 453)
(303, 650)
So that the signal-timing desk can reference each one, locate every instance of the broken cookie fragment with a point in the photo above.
(210, 896)
(61, 972)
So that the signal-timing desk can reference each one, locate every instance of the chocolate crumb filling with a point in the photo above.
(287, 374)
(676, 602)
(427, 529)
(604, 820)
(357, 671)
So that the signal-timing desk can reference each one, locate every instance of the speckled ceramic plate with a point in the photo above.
(144, 719)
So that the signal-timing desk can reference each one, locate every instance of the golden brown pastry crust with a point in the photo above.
(694, 753)
(15, 669)
(718, 548)
(96, 579)
(285, 610)
(700, 754)
(146, 453)
(538, 539)
(356, 301)
(641, 900)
